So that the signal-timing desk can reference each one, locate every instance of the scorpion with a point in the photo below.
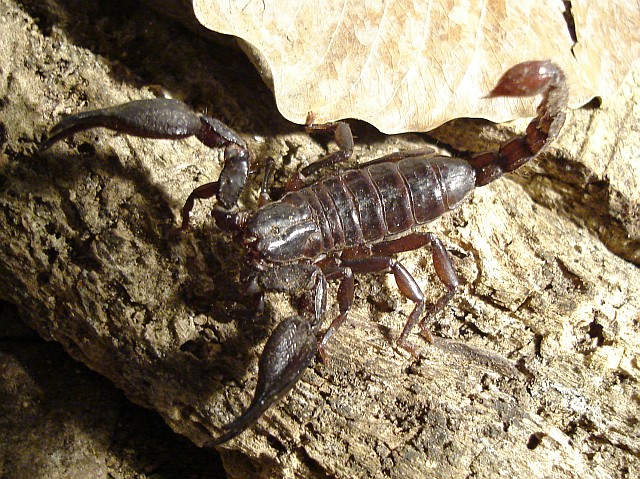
(347, 224)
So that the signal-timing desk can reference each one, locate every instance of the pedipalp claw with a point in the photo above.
(159, 118)
(288, 352)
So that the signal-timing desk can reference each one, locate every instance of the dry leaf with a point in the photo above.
(406, 65)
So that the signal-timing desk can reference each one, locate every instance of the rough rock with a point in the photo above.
(60, 420)
(535, 370)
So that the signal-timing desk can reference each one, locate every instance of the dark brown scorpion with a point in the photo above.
(340, 226)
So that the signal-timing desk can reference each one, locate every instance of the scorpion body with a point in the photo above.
(347, 224)
(370, 204)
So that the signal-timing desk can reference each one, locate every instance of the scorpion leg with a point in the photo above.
(406, 284)
(305, 281)
(380, 262)
(264, 197)
(400, 155)
(444, 270)
(162, 118)
(292, 345)
(346, 290)
(343, 138)
(208, 190)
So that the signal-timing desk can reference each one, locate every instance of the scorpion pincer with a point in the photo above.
(347, 224)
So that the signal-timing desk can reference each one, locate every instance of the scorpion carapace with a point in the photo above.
(343, 225)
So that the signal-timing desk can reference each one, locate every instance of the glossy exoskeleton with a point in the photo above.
(343, 225)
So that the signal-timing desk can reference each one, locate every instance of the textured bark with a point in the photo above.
(534, 373)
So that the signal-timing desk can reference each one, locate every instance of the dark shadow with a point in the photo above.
(48, 399)
(148, 49)
(215, 264)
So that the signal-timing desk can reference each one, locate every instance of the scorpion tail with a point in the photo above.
(526, 79)
(287, 354)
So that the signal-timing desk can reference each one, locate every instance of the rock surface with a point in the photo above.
(60, 420)
(535, 370)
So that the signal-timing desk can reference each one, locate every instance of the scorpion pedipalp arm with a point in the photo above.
(155, 118)
(287, 354)
(162, 118)
(159, 118)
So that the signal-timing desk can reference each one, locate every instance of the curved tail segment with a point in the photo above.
(526, 79)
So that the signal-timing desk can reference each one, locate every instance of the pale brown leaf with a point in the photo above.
(405, 65)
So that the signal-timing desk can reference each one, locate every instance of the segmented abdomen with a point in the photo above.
(377, 201)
